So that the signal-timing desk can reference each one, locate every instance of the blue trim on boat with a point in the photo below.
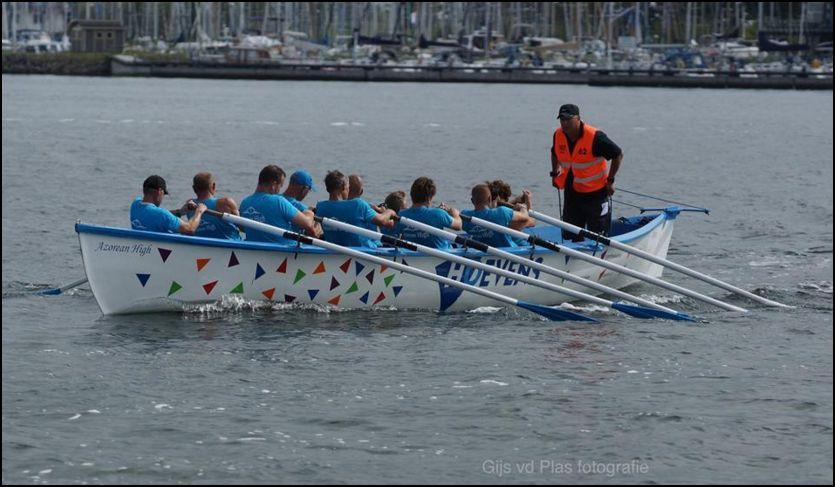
(382, 251)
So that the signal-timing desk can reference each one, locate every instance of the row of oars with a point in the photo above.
(632, 305)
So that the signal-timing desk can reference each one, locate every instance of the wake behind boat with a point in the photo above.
(133, 271)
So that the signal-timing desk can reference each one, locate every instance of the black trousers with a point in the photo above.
(591, 211)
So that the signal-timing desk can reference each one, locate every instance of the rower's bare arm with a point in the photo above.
(188, 228)
(227, 205)
(385, 219)
(615, 165)
(521, 220)
(302, 220)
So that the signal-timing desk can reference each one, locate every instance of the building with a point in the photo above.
(96, 35)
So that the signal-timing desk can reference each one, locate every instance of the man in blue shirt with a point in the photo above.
(354, 212)
(500, 215)
(205, 187)
(267, 206)
(422, 192)
(146, 213)
(301, 184)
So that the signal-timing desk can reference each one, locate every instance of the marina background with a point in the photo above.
(236, 393)
(710, 44)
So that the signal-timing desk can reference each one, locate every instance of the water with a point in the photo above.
(247, 394)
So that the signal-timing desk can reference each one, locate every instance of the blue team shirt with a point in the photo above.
(355, 212)
(214, 227)
(435, 217)
(152, 218)
(296, 203)
(272, 209)
(500, 216)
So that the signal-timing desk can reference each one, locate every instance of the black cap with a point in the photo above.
(154, 182)
(568, 111)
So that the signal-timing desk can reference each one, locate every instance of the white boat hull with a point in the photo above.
(134, 272)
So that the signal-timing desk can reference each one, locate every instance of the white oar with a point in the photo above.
(534, 240)
(62, 289)
(649, 309)
(632, 310)
(554, 314)
(652, 258)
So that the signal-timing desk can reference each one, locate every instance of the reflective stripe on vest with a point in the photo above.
(589, 171)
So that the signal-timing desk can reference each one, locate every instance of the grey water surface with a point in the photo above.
(239, 393)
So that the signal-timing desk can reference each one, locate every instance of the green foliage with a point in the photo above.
(70, 63)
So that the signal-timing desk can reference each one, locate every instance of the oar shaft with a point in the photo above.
(468, 262)
(62, 289)
(536, 265)
(366, 257)
(652, 258)
(607, 265)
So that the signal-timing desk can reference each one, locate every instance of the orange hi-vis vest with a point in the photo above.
(590, 172)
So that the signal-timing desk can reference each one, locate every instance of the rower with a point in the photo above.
(395, 201)
(354, 212)
(146, 213)
(502, 215)
(265, 205)
(300, 185)
(205, 187)
(422, 191)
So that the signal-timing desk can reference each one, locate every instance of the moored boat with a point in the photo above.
(132, 271)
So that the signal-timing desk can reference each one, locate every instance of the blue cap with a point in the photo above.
(303, 178)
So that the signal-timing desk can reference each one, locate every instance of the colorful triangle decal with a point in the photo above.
(259, 271)
(353, 288)
(388, 279)
(239, 289)
(335, 301)
(359, 267)
(283, 267)
(299, 276)
(345, 266)
(397, 290)
(233, 260)
(269, 293)
(381, 297)
(320, 268)
(175, 286)
(312, 293)
(370, 277)
(143, 278)
(164, 253)
(364, 298)
(209, 286)
(288, 298)
(334, 283)
(201, 263)
(383, 268)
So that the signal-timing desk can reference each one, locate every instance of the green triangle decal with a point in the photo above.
(389, 279)
(175, 286)
(239, 289)
(353, 288)
(299, 276)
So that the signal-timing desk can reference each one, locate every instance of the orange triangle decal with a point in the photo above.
(320, 268)
(201, 263)
(383, 268)
(269, 293)
(335, 301)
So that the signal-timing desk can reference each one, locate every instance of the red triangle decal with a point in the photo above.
(283, 267)
(269, 293)
(208, 287)
(381, 297)
(201, 263)
(383, 268)
(335, 301)
(320, 268)
(346, 266)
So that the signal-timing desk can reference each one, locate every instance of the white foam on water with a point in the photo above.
(66, 120)
(358, 124)
(767, 263)
(94, 411)
(44, 472)
(161, 406)
(338, 124)
(485, 310)
(491, 381)
(654, 298)
(251, 439)
(76, 416)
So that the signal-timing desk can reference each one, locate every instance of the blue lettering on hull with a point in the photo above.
(478, 277)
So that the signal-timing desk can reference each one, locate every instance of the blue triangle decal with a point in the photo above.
(358, 266)
(397, 290)
(259, 271)
(364, 298)
(312, 293)
(143, 278)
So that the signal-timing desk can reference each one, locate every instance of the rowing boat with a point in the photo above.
(133, 271)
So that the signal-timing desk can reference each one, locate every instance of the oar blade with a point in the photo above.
(555, 314)
(649, 313)
(50, 292)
